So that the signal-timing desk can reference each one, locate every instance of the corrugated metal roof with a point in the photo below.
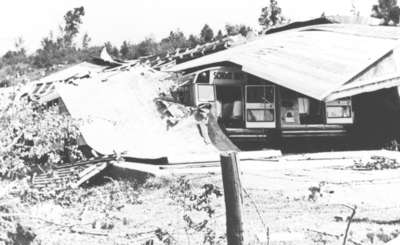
(77, 70)
(44, 89)
(119, 114)
(365, 86)
(314, 60)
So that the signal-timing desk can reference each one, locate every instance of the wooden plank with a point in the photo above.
(94, 171)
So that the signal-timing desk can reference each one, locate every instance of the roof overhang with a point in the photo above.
(365, 86)
(315, 61)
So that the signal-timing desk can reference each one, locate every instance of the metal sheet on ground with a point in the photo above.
(118, 114)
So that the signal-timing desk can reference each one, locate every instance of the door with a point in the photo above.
(260, 106)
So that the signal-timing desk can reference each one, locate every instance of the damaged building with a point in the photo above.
(313, 81)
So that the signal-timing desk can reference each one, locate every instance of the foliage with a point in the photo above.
(61, 49)
(175, 40)
(86, 40)
(237, 29)
(73, 19)
(199, 208)
(206, 34)
(219, 35)
(271, 15)
(17, 56)
(193, 41)
(33, 137)
(127, 50)
(376, 163)
(388, 11)
(111, 49)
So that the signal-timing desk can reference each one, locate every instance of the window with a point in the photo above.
(339, 108)
(260, 94)
(338, 111)
(184, 95)
(205, 93)
(187, 79)
(203, 77)
(260, 106)
(223, 75)
(260, 115)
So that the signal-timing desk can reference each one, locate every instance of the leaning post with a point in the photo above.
(233, 198)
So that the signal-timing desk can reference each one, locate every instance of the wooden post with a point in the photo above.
(233, 198)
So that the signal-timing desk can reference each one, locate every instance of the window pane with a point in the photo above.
(205, 93)
(338, 111)
(260, 94)
(255, 95)
(260, 115)
(185, 80)
(223, 75)
(203, 77)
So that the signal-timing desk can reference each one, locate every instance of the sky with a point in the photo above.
(133, 20)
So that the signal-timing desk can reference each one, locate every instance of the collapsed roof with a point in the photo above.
(316, 60)
(118, 114)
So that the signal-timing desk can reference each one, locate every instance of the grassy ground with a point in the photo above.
(286, 202)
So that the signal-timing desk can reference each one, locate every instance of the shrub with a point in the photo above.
(34, 137)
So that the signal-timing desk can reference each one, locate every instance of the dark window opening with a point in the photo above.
(203, 77)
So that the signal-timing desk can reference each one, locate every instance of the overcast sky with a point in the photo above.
(133, 20)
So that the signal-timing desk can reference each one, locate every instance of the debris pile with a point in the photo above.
(72, 175)
(376, 163)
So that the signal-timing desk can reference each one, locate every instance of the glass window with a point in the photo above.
(338, 111)
(205, 93)
(260, 94)
(187, 79)
(223, 75)
(260, 115)
(203, 77)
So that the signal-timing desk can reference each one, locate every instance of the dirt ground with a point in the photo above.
(298, 199)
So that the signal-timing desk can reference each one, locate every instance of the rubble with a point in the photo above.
(376, 163)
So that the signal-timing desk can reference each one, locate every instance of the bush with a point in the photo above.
(34, 138)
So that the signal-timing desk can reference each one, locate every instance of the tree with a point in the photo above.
(219, 35)
(147, 47)
(193, 41)
(20, 46)
(33, 137)
(237, 29)
(124, 49)
(175, 40)
(73, 19)
(13, 57)
(271, 15)
(231, 29)
(60, 49)
(86, 40)
(388, 11)
(206, 34)
(111, 49)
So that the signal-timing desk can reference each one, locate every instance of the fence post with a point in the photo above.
(233, 198)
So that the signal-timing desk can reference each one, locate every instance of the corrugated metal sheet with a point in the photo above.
(77, 70)
(313, 60)
(119, 114)
(44, 89)
(365, 86)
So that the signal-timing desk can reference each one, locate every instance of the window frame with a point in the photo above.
(342, 106)
(198, 85)
(260, 109)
